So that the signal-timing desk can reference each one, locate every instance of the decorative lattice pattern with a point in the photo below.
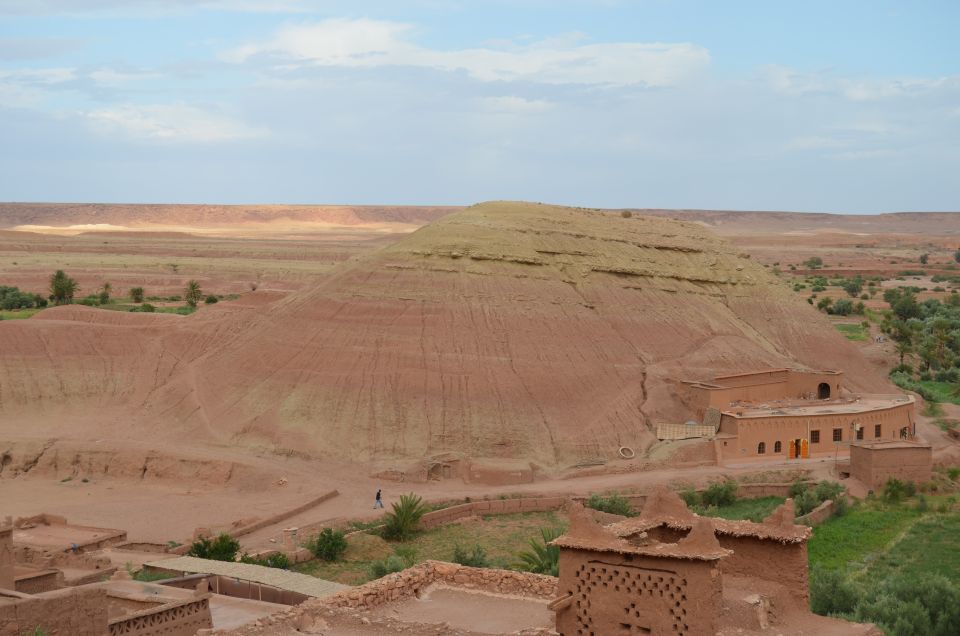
(641, 590)
(186, 618)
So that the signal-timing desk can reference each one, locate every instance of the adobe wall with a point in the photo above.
(7, 580)
(412, 581)
(751, 431)
(763, 386)
(874, 466)
(39, 581)
(818, 515)
(68, 612)
(612, 593)
(783, 563)
(478, 473)
(177, 618)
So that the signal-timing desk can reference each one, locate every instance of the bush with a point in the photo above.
(842, 307)
(720, 493)
(815, 262)
(210, 300)
(136, 294)
(690, 496)
(831, 593)
(223, 548)
(405, 518)
(278, 560)
(401, 559)
(476, 558)
(612, 503)
(542, 558)
(895, 491)
(328, 545)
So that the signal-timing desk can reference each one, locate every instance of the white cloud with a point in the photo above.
(370, 43)
(794, 83)
(171, 123)
(514, 105)
(814, 143)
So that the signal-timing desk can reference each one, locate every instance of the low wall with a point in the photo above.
(818, 515)
(38, 581)
(263, 523)
(412, 581)
(236, 588)
(178, 618)
(66, 612)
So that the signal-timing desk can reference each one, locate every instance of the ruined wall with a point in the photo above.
(71, 611)
(873, 466)
(783, 563)
(629, 594)
(412, 581)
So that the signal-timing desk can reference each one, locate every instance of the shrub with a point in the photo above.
(895, 491)
(210, 300)
(721, 493)
(475, 558)
(401, 559)
(831, 593)
(136, 294)
(405, 517)
(223, 548)
(690, 496)
(626, 214)
(613, 503)
(797, 488)
(328, 545)
(842, 307)
(815, 262)
(277, 560)
(542, 558)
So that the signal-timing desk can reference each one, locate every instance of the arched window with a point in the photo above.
(777, 447)
(761, 448)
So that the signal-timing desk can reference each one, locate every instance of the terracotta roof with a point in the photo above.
(282, 579)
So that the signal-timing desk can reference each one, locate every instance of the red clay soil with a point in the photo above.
(507, 330)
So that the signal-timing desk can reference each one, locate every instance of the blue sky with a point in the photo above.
(825, 106)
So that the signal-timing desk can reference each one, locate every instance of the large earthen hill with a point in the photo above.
(505, 330)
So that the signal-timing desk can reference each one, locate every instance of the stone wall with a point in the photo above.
(412, 581)
(66, 612)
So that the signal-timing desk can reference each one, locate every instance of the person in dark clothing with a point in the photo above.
(378, 502)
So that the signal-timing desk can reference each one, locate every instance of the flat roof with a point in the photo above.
(864, 404)
(281, 579)
(886, 444)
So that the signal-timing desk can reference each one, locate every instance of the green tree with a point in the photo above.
(192, 293)
(814, 262)
(405, 517)
(136, 294)
(924, 259)
(853, 286)
(542, 558)
(328, 545)
(223, 548)
(62, 288)
(104, 296)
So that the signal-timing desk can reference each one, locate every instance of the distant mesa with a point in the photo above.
(504, 331)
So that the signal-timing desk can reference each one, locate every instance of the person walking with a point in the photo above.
(378, 502)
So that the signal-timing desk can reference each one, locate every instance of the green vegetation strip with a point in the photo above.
(852, 539)
(852, 332)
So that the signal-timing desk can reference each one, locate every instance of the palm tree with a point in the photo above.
(62, 288)
(542, 557)
(405, 517)
(193, 293)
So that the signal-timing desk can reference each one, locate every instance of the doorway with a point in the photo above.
(798, 449)
(823, 391)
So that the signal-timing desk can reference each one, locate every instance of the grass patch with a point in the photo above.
(930, 546)
(501, 537)
(749, 509)
(858, 536)
(852, 332)
(17, 314)
(941, 391)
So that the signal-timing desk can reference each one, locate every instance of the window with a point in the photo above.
(814, 437)
(777, 447)
(860, 433)
(838, 434)
(761, 448)
(876, 430)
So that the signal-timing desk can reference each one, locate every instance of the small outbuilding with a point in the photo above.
(874, 462)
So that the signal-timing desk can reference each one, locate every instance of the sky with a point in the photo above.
(836, 106)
